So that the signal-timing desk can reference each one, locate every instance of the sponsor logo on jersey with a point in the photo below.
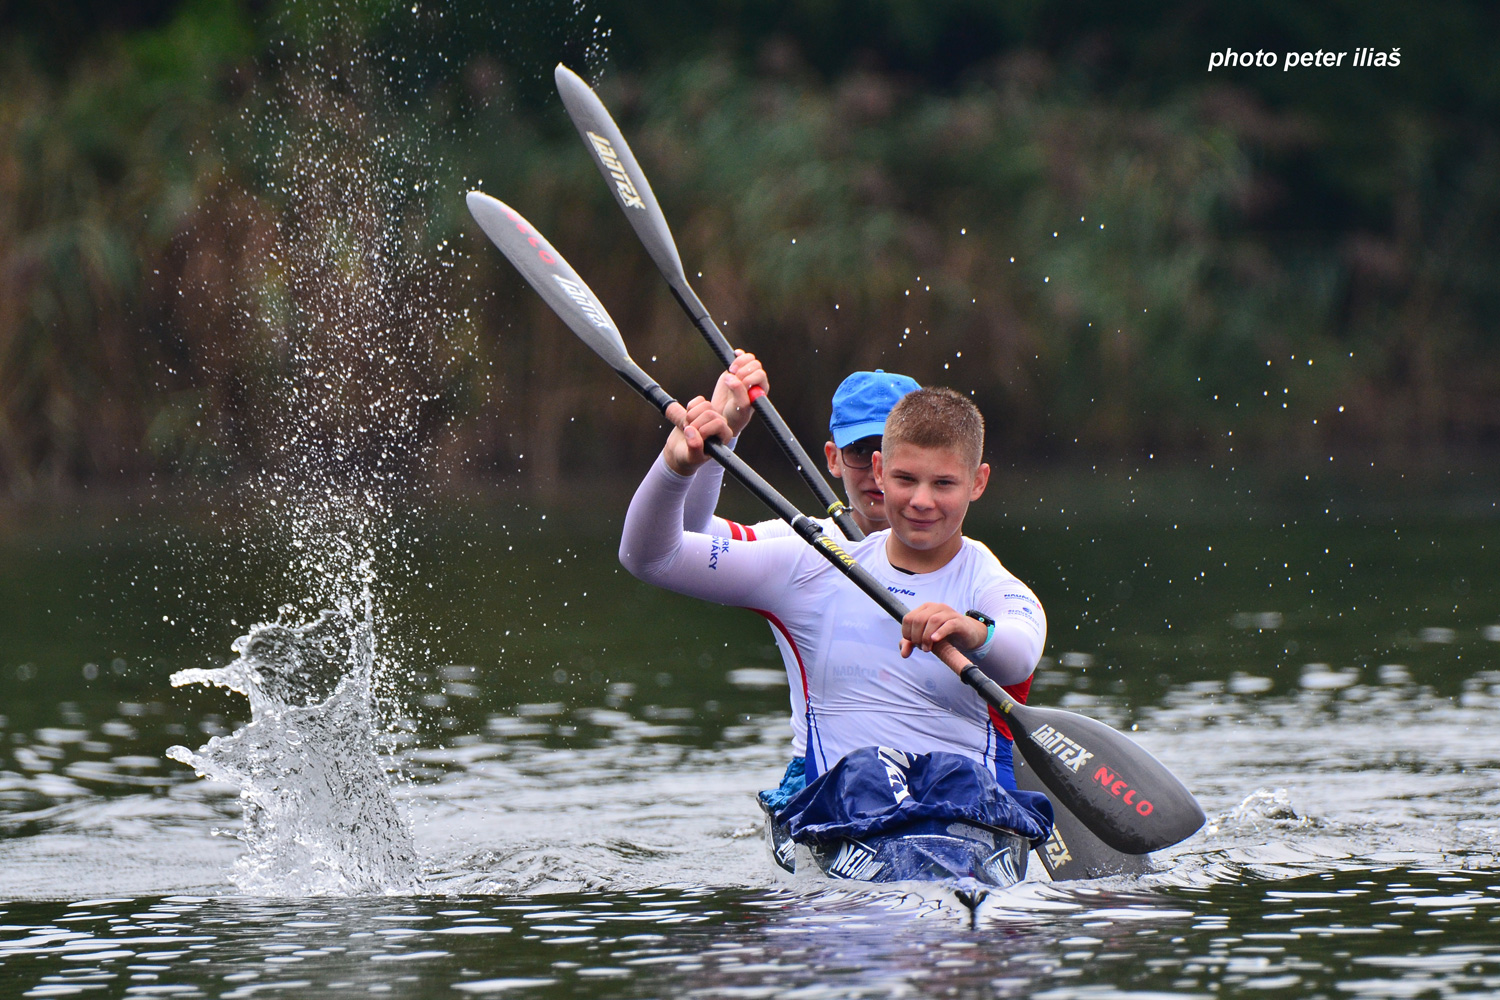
(844, 671)
(902, 590)
(585, 303)
(855, 860)
(1120, 789)
(717, 547)
(628, 194)
(1064, 749)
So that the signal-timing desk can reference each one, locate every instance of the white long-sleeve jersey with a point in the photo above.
(856, 689)
(698, 515)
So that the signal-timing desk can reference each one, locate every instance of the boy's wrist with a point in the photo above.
(986, 623)
(676, 465)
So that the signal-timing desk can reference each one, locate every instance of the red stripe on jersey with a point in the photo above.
(749, 533)
(1020, 692)
(776, 624)
(734, 531)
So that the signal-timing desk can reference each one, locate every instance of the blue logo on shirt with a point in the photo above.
(719, 545)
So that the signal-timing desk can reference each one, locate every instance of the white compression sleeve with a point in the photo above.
(655, 549)
(703, 497)
(1020, 633)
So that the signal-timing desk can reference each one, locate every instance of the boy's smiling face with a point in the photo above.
(927, 494)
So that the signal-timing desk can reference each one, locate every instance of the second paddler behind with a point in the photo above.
(870, 682)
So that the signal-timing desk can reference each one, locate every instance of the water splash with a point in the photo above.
(320, 818)
(354, 351)
(1264, 809)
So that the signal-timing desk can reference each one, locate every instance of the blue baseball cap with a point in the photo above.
(863, 401)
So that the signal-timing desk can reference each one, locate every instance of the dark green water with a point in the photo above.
(580, 752)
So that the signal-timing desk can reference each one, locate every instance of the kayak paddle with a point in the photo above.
(1117, 789)
(633, 192)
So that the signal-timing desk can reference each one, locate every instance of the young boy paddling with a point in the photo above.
(868, 681)
(860, 406)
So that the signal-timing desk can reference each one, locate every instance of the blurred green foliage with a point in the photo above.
(229, 229)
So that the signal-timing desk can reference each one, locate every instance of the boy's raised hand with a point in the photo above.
(696, 423)
(732, 392)
(928, 624)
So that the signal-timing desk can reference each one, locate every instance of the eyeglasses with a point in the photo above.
(860, 454)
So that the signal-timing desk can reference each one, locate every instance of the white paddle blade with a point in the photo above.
(546, 271)
(617, 163)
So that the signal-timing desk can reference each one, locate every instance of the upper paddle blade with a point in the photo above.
(546, 271)
(617, 163)
(1119, 791)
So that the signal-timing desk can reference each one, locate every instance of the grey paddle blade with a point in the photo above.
(632, 191)
(1113, 786)
(615, 160)
(1124, 795)
(1072, 851)
(546, 271)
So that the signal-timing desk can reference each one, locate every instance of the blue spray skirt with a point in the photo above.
(881, 815)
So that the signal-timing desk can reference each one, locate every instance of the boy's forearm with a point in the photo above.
(653, 524)
(703, 496)
(1011, 657)
(655, 549)
(1020, 634)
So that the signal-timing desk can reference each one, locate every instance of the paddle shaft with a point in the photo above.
(783, 435)
(632, 192)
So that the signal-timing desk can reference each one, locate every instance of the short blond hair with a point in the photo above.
(937, 417)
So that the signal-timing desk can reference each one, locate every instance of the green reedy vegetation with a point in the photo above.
(218, 220)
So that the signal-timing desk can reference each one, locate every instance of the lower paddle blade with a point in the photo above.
(1073, 852)
(1119, 791)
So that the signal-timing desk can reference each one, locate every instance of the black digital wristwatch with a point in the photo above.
(987, 622)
